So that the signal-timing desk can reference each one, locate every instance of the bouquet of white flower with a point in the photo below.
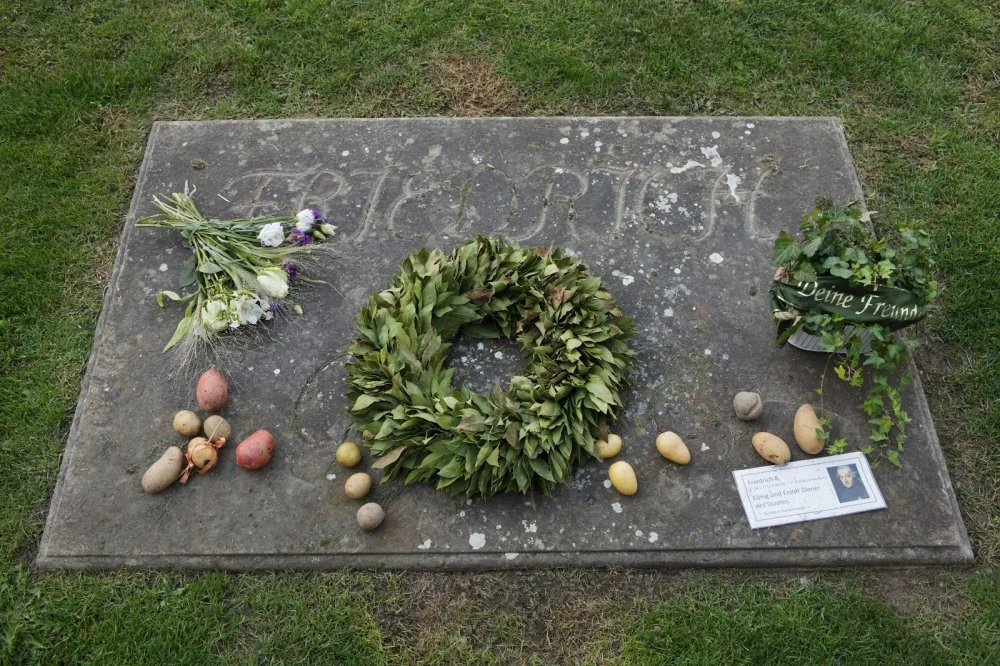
(241, 269)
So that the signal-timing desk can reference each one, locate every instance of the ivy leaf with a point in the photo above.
(786, 250)
(805, 273)
(841, 272)
(810, 248)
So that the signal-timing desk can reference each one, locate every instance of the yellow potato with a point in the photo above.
(349, 454)
(187, 423)
(771, 448)
(358, 485)
(609, 448)
(164, 471)
(673, 448)
(806, 425)
(623, 478)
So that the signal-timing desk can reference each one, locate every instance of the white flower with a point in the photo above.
(274, 282)
(328, 229)
(271, 235)
(247, 310)
(306, 220)
(265, 306)
(215, 314)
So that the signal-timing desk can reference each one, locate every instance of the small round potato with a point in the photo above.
(217, 428)
(748, 406)
(187, 423)
(349, 454)
(370, 516)
(358, 485)
(609, 448)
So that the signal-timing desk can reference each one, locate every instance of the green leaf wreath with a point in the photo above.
(531, 436)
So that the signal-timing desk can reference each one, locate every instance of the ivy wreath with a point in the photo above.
(531, 436)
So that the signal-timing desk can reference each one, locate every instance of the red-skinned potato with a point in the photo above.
(212, 391)
(255, 451)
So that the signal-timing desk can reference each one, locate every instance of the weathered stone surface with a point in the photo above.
(675, 214)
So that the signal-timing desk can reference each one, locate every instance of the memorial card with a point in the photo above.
(808, 490)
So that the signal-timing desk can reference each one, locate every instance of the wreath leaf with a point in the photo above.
(389, 458)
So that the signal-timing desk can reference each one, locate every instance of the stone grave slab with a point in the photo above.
(676, 215)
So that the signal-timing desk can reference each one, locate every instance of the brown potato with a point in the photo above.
(370, 516)
(255, 451)
(771, 448)
(217, 429)
(164, 471)
(212, 391)
(748, 406)
(806, 425)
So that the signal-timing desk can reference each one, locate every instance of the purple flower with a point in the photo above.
(319, 217)
(275, 308)
(290, 268)
(299, 237)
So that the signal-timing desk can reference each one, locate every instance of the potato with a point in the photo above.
(202, 454)
(164, 471)
(349, 454)
(217, 429)
(748, 406)
(212, 391)
(187, 423)
(196, 443)
(805, 427)
(255, 451)
(370, 516)
(358, 485)
(610, 447)
(623, 478)
(771, 448)
(673, 448)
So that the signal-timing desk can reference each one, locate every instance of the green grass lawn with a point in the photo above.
(918, 88)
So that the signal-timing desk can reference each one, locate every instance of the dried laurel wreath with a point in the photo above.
(533, 435)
